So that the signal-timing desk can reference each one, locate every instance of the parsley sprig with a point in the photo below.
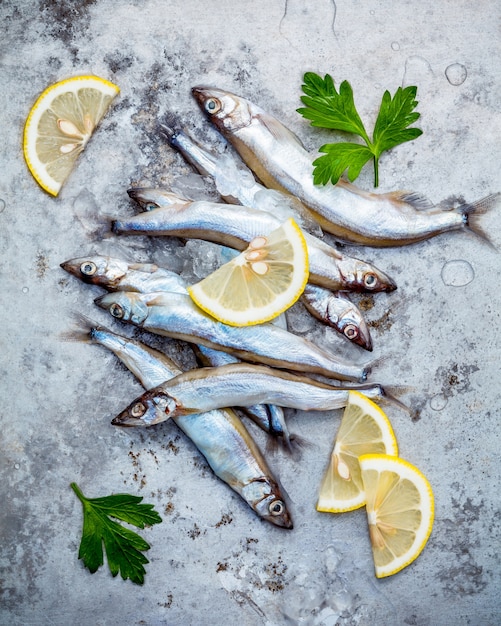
(123, 547)
(326, 107)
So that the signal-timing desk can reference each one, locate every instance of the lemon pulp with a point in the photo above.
(364, 429)
(59, 125)
(260, 283)
(400, 511)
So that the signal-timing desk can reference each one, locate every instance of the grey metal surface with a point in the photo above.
(212, 560)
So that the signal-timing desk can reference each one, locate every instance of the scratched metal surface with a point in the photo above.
(212, 559)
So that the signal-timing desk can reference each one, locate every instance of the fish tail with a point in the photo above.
(291, 444)
(169, 126)
(472, 215)
(370, 367)
(390, 397)
(101, 230)
(81, 332)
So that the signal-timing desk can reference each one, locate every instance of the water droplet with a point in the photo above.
(16, 466)
(395, 46)
(2, 205)
(25, 289)
(438, 402)
(372, 12)
(456, 74)
(457, 273)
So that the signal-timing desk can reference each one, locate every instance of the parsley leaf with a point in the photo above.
(123, 546)
(328, 108)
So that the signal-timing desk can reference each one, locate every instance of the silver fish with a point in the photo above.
(175, 315)
(219, 435)
(114, 274)
(235, 385)
(220, 223)
(236, 183)
(339, 312)
(269, 417)
(151, 198)
(117, 275)
(280, 161)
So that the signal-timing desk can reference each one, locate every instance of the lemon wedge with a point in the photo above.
(364, 429)
(400, 511)
(60, 124)
(260, 283)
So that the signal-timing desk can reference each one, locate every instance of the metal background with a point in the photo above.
(212, 560)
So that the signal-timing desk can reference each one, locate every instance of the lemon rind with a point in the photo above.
(347, 509)
(382, 418)
(35, 165)
(247, 319)
(389, 440)
(424, 531)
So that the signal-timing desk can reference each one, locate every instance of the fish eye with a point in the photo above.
(138, 409)
(351, 331)
(88, 268)
(150, 206)
(370, 280)
(212, 106)
(117, 311)
(276, 508)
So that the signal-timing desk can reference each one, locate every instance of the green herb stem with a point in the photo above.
(327, 107)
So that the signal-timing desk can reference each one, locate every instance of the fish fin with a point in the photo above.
(154, 299)
(169, 126)
(391, 393)
(292, 445)
(278, 130)
(101, 229)
(472, 214)
(149, 268)
(416, 200)
(297, 445)
(81, 329)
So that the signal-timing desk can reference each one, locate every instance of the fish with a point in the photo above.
(222, 224)
(337, 311)
(115, 274)
(219, 435)
(269, 417)
(279, 160)
(176, 316)
(234, 180)
(239, 384)
(351, 325)
(152, 198)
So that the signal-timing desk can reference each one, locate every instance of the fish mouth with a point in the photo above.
(200, 94)
(125, 422)
(135, 193)
(391, 285)
(363, 340)
(284, 522)
(71, 267)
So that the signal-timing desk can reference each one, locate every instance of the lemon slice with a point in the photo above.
(400, 511)
(260, 283)
(60, 124)
(364, 429)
